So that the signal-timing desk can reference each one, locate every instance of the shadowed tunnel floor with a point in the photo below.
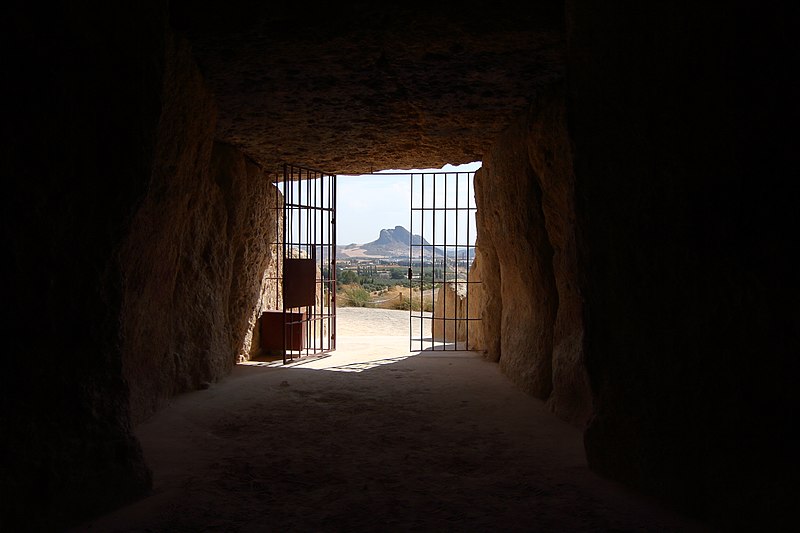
(373, 438)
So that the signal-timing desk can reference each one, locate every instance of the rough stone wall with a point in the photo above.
(457, 310)
(196, 258)
(532, 307)
(511, 222)
(166, 283)
(449, 306)
(271, 296)
(491, 301)
(686, 218)
(320, 86)
(550, 156)
(474, 307)
(254, 216)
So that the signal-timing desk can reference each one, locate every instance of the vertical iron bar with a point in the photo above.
(286, 221)
(295, 215)
(319, 252)
(470, 194)
(312, 254)
(458, 235)
(410, 262)
(290, 240)
(421, 250)
(323, 252)
(333, 262)
(444, 266)
(278, 214)
(319, 247)
(308, 309)
(433, 255)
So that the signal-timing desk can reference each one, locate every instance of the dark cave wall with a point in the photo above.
(159, 357)
(80, 115)
(532, 311)
(686, 222)
(137, 249)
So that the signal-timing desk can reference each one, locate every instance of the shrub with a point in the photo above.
(401, 304)
(404, 304)
(356, 297)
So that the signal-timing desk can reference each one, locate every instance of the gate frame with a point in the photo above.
(471, 251)
(308, 214)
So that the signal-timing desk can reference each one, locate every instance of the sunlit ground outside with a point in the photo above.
(366, 338)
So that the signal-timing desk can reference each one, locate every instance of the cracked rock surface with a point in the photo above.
(355, 88)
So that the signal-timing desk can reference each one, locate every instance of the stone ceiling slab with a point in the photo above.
(367, 87)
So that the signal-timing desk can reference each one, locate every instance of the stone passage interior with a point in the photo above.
(634, 219)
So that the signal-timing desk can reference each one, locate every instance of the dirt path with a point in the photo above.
(375, 438)
(364, 321)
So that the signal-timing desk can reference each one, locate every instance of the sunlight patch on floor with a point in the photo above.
(366, 365)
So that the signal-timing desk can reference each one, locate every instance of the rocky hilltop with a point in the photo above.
(393, 243)
(390, 243)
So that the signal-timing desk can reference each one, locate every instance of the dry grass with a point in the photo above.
(397, 297)
(394, 297)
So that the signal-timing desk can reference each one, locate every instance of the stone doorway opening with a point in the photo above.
(380, 260)
(407, 246)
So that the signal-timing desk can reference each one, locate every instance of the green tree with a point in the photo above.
(348, 277)
(399, 273)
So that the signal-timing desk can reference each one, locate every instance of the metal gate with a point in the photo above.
(304, 322)
(441, 252)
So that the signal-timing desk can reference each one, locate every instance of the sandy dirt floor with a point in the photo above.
(373, 438)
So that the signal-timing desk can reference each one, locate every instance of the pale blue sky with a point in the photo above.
(367, 204)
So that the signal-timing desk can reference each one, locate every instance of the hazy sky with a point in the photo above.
(367, 204)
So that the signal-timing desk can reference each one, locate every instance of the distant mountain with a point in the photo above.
(393, 243)
(390, 243)
(397, 236)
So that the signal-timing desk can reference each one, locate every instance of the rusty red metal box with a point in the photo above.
(276, 324)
